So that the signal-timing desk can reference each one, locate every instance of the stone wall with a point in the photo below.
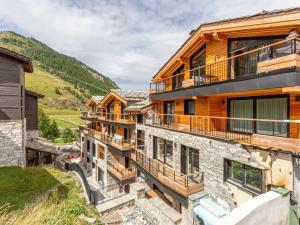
(212, 154)
(12, 148)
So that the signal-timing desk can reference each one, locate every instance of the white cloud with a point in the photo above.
(125, 40)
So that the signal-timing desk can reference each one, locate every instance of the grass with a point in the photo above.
(64, 108)
(41, 196)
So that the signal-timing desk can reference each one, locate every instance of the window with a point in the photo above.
(197, 61)
(189, 107)
(243, 175)
(163, 150)
(94, 150)
(268, 108)
(189, 160)
(140, 139)
(88, 145)
(177, 78)
(140, 118)
(247, 64)
(169, 110)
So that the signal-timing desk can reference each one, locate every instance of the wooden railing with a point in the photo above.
(241, 130)
(120, 144)
(230, 68)
(119, 171)
(179, 182)
(113, 117)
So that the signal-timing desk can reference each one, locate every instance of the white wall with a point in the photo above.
(270, 208)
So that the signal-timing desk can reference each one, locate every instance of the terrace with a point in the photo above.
(271, 134)
(119, 171)
(271, 59)
(123, 145)
(181, 183)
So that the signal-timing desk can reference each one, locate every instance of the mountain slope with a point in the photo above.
(65, 82)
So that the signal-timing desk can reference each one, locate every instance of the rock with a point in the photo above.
(87, 219)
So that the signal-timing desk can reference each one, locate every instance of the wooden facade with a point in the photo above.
(31, 109)
(12, 84)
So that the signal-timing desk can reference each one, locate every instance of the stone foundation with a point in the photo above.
(12, 152)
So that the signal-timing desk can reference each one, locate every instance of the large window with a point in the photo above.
(163, 150)
(189, 160)
(247, 64)
(197, 62)
(140, 139)
(265, 108)
(243, 175)
(94, 149)
(169, 110)
(189, 107)
(88, 145)
(177, 78)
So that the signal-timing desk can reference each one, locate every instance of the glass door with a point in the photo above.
(169, 111)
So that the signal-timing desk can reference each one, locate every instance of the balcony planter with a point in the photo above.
(284, 62)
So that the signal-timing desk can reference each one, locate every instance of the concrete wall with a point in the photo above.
(270, 208)
(12, 149)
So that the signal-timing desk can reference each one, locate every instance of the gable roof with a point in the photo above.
(25, 61)
(263, 14)
(131, 95)
(98, 98)
(138, 106)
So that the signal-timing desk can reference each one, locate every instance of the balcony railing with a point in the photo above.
(119, 118)
(120, 171)
(89, 115)
(281, 134)
(120, 144)
(179, 182)
(251, 63)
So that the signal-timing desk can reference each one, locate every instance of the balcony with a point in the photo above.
(118, 118)
(270, 59)
(183, 184)
(123, 145)
(120, 172)
(275, 134)
(89, 115)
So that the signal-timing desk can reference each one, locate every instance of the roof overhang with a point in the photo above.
(220, 31)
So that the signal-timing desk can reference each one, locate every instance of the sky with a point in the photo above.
(128, 41)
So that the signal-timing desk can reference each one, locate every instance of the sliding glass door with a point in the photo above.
(241, 110)
(189, 160)
(163, 150)
(272, 109)
(169, 110)
(269, 109)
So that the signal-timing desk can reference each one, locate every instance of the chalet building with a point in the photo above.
(108, 139)
(224, 121)
(18, 108)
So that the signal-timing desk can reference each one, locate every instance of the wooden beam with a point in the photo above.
(207, 37)
(294, 89)
(219, 36)
(184, 61)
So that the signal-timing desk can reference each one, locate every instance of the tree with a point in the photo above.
(68, 135)
(53, 131)
(43, 123)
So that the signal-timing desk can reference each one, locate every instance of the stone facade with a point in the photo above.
(12, 146)
(212, 155)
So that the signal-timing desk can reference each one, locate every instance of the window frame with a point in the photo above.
(155, 150)
(187, 108)
(242, 184)
(255, 98)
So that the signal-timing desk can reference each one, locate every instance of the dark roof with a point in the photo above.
(38, 95)
(131, 95)
(262, 14)
(26, 62)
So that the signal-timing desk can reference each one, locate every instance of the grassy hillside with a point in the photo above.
(41, 196)
(66, 82)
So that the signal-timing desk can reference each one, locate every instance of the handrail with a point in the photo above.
(159, 169)
(226, 69)
(125, 172)
(233, 118)
(236, 56)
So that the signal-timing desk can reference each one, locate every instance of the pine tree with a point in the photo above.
(44, 123)
(53, 131)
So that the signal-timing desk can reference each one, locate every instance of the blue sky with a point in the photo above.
(127, 41)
